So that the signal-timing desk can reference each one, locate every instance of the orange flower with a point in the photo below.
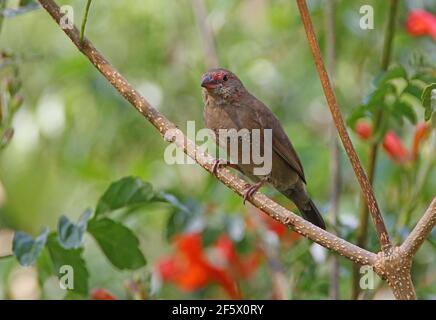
(190, 270)
(394, 148)
(239, 266)
(363, 129)
(102, 294)
(420, 22)
(393, 145)
(422, 131)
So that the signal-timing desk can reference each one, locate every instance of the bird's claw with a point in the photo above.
(218, 163)
(250, 190)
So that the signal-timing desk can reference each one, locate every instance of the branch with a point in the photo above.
(389, 34)
(170, 133)
(362, 232)
(422, 229)
(85, 19)
(340, 126)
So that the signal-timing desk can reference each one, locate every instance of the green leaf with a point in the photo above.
(44, 265)
(27, 249)
(399, 85)
(24, 3)
(182, 218)
(361, 111)
(73, 258)
(377, 97)
(210, 236)
(123, 193)
(167, 197)
(70, 234)
(429, 100)
(404, 109)
(119, 243)
(415, 87)
(393, 81)
(393, 73)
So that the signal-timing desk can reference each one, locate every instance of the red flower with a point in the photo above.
(239, 266)
(393, 145)
(422, 131)
(363, 129)
(102, 294)
(190, 270)
(394, 148)
(420, 22)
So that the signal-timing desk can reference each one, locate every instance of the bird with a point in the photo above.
(228, 105)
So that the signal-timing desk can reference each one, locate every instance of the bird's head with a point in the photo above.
(221, 83)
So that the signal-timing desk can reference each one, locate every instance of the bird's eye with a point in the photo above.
(225, 78)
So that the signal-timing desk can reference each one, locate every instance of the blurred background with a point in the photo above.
(74, 135)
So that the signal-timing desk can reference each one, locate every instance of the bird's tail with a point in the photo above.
(306, 206)
(311, 213)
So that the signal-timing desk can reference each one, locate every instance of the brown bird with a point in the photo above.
(228, 105)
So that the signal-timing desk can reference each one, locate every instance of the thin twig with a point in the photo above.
(340, 126)
(389, 35)
(84, 20)
(422, 229)
(362, 232)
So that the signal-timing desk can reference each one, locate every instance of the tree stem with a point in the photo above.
(362, 232)
(84, 20)
(343, 134)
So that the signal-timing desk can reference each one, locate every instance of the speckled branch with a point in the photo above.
(422, 229)
(170, 133)
(340, 126)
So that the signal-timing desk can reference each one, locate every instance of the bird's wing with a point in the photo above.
(282, 146)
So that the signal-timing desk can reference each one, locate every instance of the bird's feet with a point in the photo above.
(251, 189)
(218, 163)
(222, 163)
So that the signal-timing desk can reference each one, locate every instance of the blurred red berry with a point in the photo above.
(394, 148)
(102, 294)
(422, 131)
(363, 129)
(420, 22)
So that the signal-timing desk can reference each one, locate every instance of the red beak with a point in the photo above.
(208, 82)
